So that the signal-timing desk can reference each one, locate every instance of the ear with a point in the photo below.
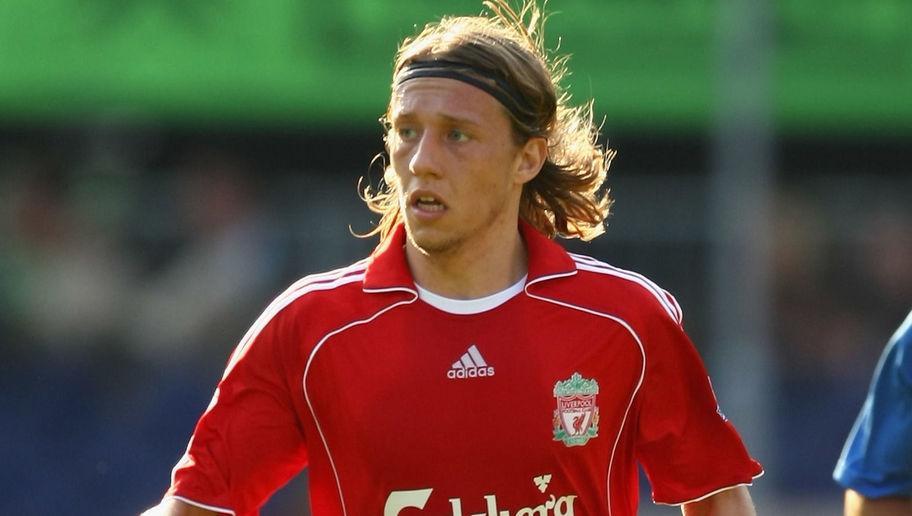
(530, 159)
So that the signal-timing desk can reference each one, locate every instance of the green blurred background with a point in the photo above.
(650, 64)
(167, 166)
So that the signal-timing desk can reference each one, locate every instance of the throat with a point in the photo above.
(460, 273)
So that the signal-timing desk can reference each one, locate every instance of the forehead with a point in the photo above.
(437, 96)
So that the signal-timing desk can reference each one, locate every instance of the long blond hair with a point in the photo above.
(566, 198)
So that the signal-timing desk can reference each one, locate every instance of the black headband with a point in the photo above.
(504, 92)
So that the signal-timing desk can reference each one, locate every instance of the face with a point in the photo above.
(459, 168)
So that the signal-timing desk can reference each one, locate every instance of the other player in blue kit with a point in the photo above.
(876, 464)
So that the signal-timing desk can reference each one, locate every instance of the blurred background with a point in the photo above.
(168, 166)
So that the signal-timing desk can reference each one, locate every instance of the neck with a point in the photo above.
(462, 274)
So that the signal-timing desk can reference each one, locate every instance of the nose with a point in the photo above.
(425, 159)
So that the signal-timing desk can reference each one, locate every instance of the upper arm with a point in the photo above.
(175, 507)
(686, 445)
(858, 505)
(876, 458)
(250, 441)
(731, 502)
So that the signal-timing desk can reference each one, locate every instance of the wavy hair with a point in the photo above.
(566, 198)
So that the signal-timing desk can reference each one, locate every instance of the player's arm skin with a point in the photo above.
(174, 507)
(857, 504)
(731, 502)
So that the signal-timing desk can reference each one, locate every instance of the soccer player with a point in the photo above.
(470, 365)
(875, 467)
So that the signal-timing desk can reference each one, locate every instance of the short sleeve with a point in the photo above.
(687, 447)
(877, 458)
(249, 441)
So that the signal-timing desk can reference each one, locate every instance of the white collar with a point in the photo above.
(470, 306)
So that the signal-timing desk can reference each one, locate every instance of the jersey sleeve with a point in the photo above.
(877, 458)
(249, 442)
(687, 447)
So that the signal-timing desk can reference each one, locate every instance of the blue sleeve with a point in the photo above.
(877, 458)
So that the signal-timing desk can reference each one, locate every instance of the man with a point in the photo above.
(875, 467)
(471, 366)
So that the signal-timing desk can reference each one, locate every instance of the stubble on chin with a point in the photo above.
(430, 246)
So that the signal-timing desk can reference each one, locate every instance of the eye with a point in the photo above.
(457, 135)
(406, 133)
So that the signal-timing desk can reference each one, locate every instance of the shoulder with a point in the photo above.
(308, 304)
(342, 282)
(620, 290)
(316, 294)
(903, 336)
(897, 355)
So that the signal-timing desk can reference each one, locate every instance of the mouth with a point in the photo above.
(426, 202)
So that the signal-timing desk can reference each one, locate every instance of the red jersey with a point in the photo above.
(537, 404)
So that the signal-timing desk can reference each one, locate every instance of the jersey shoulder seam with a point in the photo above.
(667, 301)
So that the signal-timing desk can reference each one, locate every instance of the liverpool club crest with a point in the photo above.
(577, 415)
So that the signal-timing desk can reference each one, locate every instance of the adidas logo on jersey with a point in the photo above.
(470, 365)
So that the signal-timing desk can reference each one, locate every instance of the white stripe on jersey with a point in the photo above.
(312, 283)
(713, 493)
(668, 302)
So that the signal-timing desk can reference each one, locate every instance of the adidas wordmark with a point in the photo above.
(470, 365)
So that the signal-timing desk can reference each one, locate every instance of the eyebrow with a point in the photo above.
(456, 120)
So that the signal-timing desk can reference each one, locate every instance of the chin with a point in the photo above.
(430, 242)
